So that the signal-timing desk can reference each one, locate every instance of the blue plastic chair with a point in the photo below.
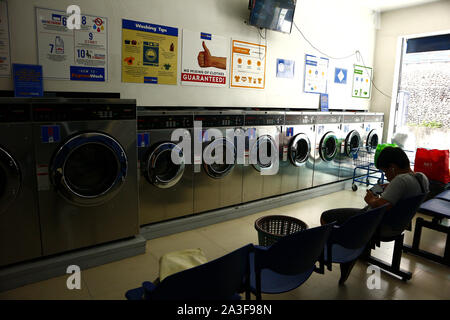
(287, 263)
(391, 228)
(220, 279)
(444, 195)
(349, 240)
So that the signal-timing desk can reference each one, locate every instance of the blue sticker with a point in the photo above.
(290, 131)
(205, 36)
(346, 128)
(27, 80)
(143, 140)
(340, 75)
(368, 127)
(50, 134)
(87, 73)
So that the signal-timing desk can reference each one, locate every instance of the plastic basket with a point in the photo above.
(272, 228)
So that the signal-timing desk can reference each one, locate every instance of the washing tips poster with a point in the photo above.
(205, 59)
(149, 53)
(77, 54)
(248, 68)
(5, 58)
(316, 74)
(361, 82)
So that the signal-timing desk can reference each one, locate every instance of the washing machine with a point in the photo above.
(328, 141)
(297, 163)
(20, 235)
(165, 186)
(86, 167)
(261, 169)
(373, 130)
(351, 144)
(218, 180)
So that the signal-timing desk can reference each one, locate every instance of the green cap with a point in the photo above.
(380, 148)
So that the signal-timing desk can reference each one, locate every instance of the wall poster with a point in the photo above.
(316, 74)
(205, 59)
(149, 53)
(248, 65)
(79, 54)
(361, 82)
(5, 56)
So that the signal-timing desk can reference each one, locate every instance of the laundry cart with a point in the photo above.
(364, 168)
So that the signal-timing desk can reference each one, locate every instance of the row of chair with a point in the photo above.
(287, 263)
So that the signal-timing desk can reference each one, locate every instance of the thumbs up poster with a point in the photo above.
(204, 59)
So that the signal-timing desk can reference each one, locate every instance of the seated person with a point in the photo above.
(404, 183)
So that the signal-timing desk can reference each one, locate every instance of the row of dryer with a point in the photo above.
(312, 149)
(76, 173)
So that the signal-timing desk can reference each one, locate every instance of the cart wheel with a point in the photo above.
(354, 187)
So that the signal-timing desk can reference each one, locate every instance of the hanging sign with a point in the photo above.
(78, 54)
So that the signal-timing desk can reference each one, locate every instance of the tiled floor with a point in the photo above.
(111, 281)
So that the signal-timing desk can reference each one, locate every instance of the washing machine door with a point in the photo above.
(160, 170)
(271, 148)
(220, 170)
(328, 146)
(372, 140)
(89, 168)
(299, 149)
(352, 143)
(10, 180)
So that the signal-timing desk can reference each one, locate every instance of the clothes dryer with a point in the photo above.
(326, 168)
(165, 187)
(261, 175)
(86, 171)
(297, 163)
(20, 235)
(373, 130)
(351, 145)
(218, 184)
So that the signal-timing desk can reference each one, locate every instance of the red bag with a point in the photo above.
(433, 163)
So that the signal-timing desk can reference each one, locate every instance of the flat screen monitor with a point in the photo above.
(275, 15)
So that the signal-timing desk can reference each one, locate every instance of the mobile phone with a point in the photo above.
(377, 189)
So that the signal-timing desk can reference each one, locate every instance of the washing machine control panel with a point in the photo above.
(354, 119)
(164, 122)
(86, 112)
(221, 120)
(373, 118)
(264, 119)
(295, 119)
(15, 113)
(323, 119)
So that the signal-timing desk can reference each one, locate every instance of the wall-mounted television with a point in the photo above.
(275, 15)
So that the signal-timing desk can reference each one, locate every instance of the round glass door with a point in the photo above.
(161, 171)
(328, 146)
(89, 169)
(299, 149)
(10, 180)
(271, 150)
(352, 143)
(220, 170)
(372, 140)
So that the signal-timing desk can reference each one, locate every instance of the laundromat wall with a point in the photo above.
(338, 28)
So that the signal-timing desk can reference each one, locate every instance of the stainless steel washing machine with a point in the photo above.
(353, 131)
(328, 137)
(297, 163)
(165, 186)
(261, 175)
(373, 130)
(218, 182)
(86, 164)
(20, 235)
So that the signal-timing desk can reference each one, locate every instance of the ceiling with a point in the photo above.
(386, 5)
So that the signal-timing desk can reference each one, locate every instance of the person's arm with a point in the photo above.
(374, 201)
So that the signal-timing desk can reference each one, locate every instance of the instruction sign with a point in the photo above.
(205, 59)
(149, 53)
(79, 54)
(5, 56)
(248, 68)
(27, 80)
(316, 74)
(362, 82)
